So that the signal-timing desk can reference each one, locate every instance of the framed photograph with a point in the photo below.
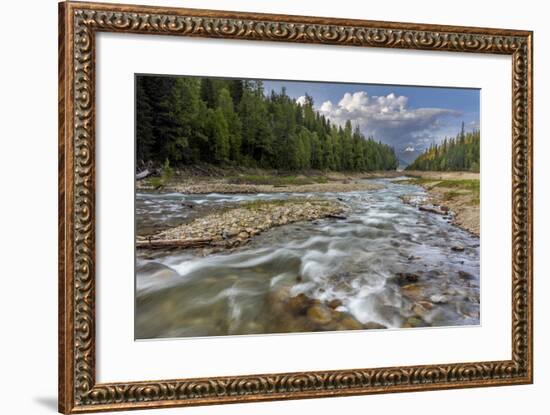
(263, 207)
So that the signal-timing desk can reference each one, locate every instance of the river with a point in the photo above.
(387, 264)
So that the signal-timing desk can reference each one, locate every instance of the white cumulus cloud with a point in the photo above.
(301, 100)
(388, 118)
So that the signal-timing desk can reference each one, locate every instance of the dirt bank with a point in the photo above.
(455, 191)
(442, 175)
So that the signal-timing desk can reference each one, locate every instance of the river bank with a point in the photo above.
(203, 180)
(454, 194)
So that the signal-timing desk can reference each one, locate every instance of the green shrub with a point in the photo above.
(164, 178)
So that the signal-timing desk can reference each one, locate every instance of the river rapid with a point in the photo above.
(387, 264)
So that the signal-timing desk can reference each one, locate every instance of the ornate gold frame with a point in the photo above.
(78, 24)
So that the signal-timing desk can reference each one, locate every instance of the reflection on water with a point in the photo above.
(388, 265)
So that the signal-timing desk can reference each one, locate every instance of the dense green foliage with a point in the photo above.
(164, 178)
(459, 153)
(205, 120)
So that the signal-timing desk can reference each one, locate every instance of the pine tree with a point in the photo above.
(225, 104)
(208, 92)
(347, 136)
(236, 88)
(218, 130)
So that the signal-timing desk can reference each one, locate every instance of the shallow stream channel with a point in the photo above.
(387, 264)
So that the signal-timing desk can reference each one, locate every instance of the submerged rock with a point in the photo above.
(426, 304)
(335, 303)
(414, 322)
(156, 271)
(414, 291)
(350, 323)
(319, 314)
(439, 299)
(299, 304)
(465, 275)
(371, 325)
(422, 308)
(407, 277)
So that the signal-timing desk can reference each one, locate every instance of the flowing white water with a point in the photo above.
(357, 261)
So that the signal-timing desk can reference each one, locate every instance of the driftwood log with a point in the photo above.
(143, 174)
(336, 216)
(439, 211)
(175, 243)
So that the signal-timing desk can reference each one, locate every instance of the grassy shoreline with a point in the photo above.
(212, 179)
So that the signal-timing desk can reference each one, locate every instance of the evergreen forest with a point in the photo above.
(233, 122)
(460, 153)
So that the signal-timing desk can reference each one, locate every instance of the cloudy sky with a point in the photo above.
(408, 118)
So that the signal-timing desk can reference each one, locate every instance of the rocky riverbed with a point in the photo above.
(235, 226)
(231, 188)
(381, 264)
(302, 313)
(253, 184)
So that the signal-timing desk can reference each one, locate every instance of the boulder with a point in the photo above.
(407, 278)
(349, 323)
(415, 291)
(465, 275)
(439, 299)
(299, 304)
(414, 321)
(421, 308)
(334, 303)
(230, 233)
(319, 314)
(243, 235)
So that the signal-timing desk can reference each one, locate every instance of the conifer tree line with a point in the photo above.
(458, 153)
(188, 120)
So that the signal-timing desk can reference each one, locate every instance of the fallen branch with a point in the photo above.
(336, 216)
(143, 174)
(432, 210)
(175, 243)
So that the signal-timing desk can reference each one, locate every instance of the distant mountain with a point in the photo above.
(407, 157)
(402, 164)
